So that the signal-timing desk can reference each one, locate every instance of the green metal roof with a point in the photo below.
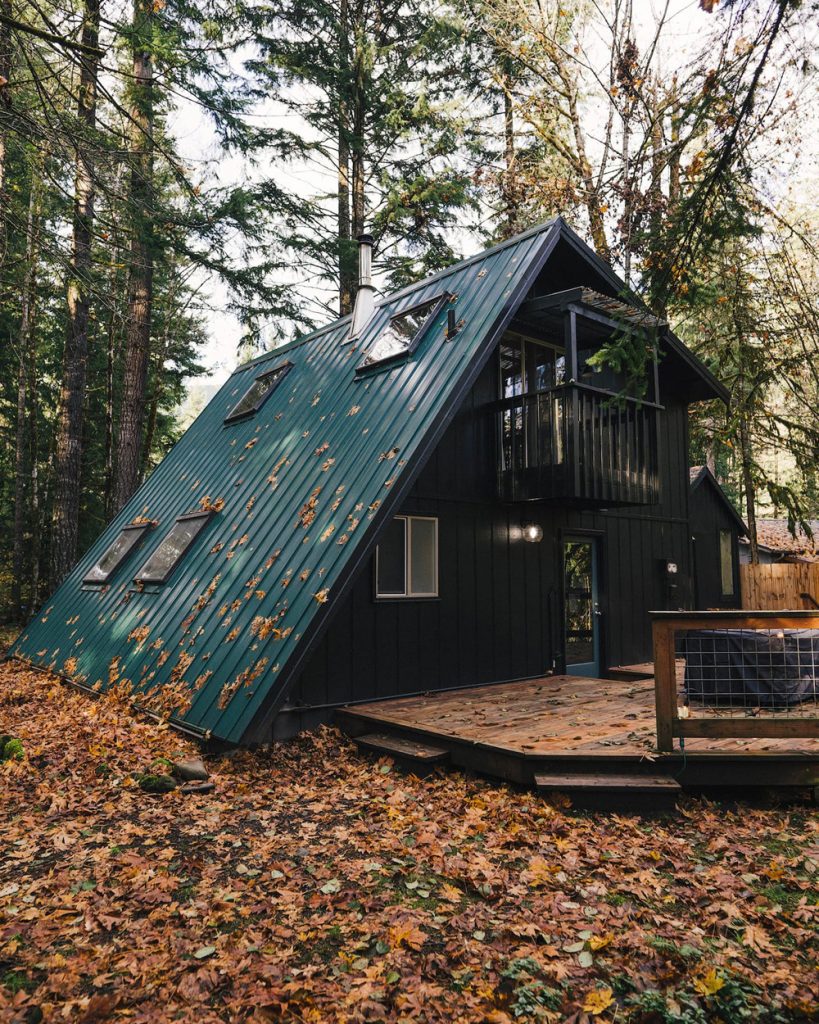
(301, 490)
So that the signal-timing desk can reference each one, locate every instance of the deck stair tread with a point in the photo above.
(399, 746)
(607, 782)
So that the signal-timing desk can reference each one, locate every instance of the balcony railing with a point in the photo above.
(579, 443)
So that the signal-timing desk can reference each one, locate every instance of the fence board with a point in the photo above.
(779, 586)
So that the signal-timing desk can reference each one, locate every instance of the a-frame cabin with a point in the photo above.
(451, 495)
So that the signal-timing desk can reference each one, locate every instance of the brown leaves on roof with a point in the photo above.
(307, 513)
(211, 506)
(273, 479)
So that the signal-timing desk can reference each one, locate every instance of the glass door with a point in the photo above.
(581, 606)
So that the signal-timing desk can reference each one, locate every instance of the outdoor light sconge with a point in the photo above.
(532, 533)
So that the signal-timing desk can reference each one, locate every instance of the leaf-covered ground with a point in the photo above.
(314, 885)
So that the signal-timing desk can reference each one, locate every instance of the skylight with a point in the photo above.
(258, 393)
(116, 553)
(173, 547)
(403, 333)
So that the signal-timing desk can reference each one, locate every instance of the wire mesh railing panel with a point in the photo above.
(749, 671)
(736, 674)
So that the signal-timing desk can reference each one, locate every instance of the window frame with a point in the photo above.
(409, 594)
(234, 417)
(140, 579)
(143, 529)
(436, 303)
(732, 555)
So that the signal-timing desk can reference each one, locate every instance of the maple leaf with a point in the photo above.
(710, 983)
(406, 933)
(598, 1000)
(757, 939)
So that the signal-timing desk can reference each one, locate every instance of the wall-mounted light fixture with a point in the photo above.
(532, 533)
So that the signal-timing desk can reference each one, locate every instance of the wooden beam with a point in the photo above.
(665, 685)
(747, 728)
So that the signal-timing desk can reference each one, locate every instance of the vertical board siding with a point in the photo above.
(779, 586)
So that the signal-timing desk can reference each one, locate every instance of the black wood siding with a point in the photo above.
(499, 613)
(708, 516)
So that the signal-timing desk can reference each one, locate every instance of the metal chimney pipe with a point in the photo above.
(365, 294)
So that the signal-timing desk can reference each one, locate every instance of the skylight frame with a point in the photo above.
(141, 529)
(236, 417)
(159, 580)
(435, 303)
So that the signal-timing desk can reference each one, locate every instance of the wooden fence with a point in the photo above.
(780, 586)
(676, 720)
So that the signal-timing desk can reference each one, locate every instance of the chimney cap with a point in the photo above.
(365, 239)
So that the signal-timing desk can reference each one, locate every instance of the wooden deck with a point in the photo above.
(514, 730)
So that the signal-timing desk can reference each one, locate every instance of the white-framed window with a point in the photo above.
(406, 559)
(726, 562)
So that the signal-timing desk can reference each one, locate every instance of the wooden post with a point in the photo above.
(665, 684)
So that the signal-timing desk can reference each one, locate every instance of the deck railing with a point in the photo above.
(740, 675)
(577, 442)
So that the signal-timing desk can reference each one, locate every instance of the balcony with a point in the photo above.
(578, 443)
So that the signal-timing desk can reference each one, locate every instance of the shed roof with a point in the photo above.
(299, 492)
(700, 475)
(775, 534)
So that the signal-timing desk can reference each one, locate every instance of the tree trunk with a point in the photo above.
(510, 200)
(346, 278)
(357, 148)
(23, 440)
(594, 209)
(35, 513)
(108, 484)
(69, 434)
(140, 271)
(749, 486)
(153, 407)
(6, 53)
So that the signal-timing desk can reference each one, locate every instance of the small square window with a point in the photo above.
(406, 559)
(403, 333)
(172, 548)
(258, 393)
(117, 552)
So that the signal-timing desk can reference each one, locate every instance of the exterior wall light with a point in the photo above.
(532, 533)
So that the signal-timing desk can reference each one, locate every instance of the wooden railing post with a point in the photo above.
(665, 684)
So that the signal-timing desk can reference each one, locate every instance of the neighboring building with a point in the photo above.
(778, 544)
(716, 530)
(451, 495)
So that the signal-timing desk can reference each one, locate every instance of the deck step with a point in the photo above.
(402, 749)
(604, 790)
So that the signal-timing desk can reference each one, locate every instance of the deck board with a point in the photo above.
(553, 717)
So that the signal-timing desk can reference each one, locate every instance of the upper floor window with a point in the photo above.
(403, 334)
(173, 547)
(406, 559)
(116, 553)
(258, 393)
(527, 365)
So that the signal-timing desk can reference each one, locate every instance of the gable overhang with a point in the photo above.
(260, 728)
(680, 370)
(705, 476)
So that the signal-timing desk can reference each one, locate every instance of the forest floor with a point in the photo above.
(314, 885)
